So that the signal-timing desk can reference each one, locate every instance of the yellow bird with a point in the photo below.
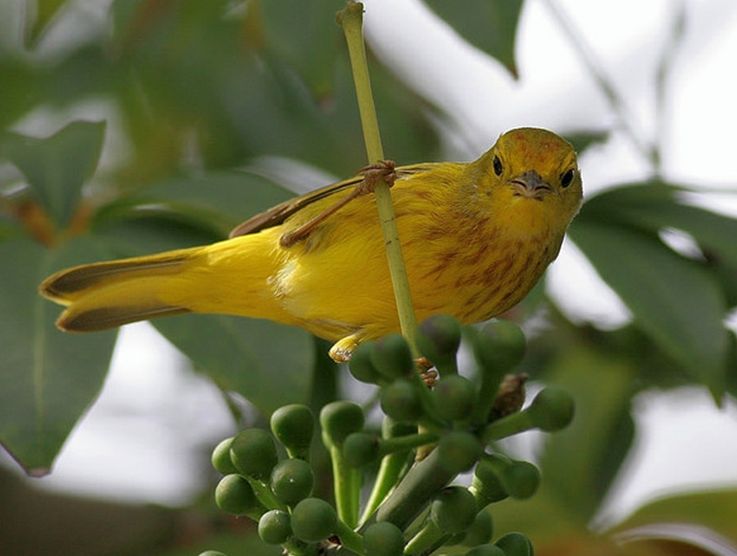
(475, 236)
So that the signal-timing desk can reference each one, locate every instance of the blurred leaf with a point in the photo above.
(580, 463)
(218, 201)
(234, 543)
(306, 35)
(9, 228)
(657, 206)
(488, 25)
(45, 11)
(582, 140)
(56, 167)
(676, 301)
(47, 378)
(268, 363)
(19, 91)
(707, 515)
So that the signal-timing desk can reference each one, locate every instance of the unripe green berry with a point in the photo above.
(360, 448)
(455, 397)
(275, 527)
(313, 520)
(480, 531)
(486, 484)
(520, 479)
(212, 553)
(499, 346)
(361, 365)
(454, 509)
(516, 544)
(221, 457)
(253, 453)
(392, 357)
(293, 425)
(458, 451)
(383, 539)
(439, 337)
(551, 410)
(486, 550)
(401, 401)
(292, 480)
(235, 496)
(339, 419)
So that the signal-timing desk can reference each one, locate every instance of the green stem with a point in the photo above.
(507, 426)
(264, 495)
(428, 536)
(349, 539)
(404, 443)
(351, 19)
(347, 487)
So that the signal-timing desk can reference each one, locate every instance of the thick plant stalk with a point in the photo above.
(351, 19)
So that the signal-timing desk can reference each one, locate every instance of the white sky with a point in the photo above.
(154, 414)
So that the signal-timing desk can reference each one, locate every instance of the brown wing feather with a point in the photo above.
(279, 213)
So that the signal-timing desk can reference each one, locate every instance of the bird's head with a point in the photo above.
(531, 174)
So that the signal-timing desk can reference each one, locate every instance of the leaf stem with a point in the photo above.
(351, 20)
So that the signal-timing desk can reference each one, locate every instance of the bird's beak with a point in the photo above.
(530, 185)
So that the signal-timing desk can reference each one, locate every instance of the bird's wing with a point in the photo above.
(279, 213)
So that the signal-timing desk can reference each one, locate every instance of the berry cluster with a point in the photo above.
(433, 431)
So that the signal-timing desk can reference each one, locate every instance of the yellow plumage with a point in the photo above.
(475, 237)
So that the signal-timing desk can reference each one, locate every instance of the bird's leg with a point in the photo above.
(373, 174)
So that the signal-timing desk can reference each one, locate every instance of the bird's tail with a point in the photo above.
(230, 277)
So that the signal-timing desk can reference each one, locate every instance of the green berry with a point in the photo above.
(401, 401)
(486, 550)
(360, 448)
(392, 357)
(339, 419)
(221, 457)
(499, 346)
(313, 520)
(292, 480)
(212, 553)
(254, 453)
(480, 531)
(235, 496)
(275, 527)
(486, 484)
(551, 410)
(458, 451)
(293, 425)
(516, 544)
(439, 337)
(361, 365)
(455, 397)
(454, 509)
(383, 539)
(520, 479)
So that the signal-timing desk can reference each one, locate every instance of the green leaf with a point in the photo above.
(218, 201)
(45, 12)
(712, 511)
(306, 36)
(47, 378)
(269, 364)
(56, 167)
(675, 300)
(488, 25)
(657, 206)
(20, 89)
(582, 140)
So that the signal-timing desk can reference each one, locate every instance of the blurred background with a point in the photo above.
(165, 122)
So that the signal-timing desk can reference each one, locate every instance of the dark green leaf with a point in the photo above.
(582, 140)
(675, 300)
(44, 13)
(712, 513)
(218, 201)
(306, 35)
(20, 90)
(47, 378)
(488, 25)
(56, 167)
(269, 364)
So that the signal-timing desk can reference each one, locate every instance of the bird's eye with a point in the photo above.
(498, 169)
(567, 178)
